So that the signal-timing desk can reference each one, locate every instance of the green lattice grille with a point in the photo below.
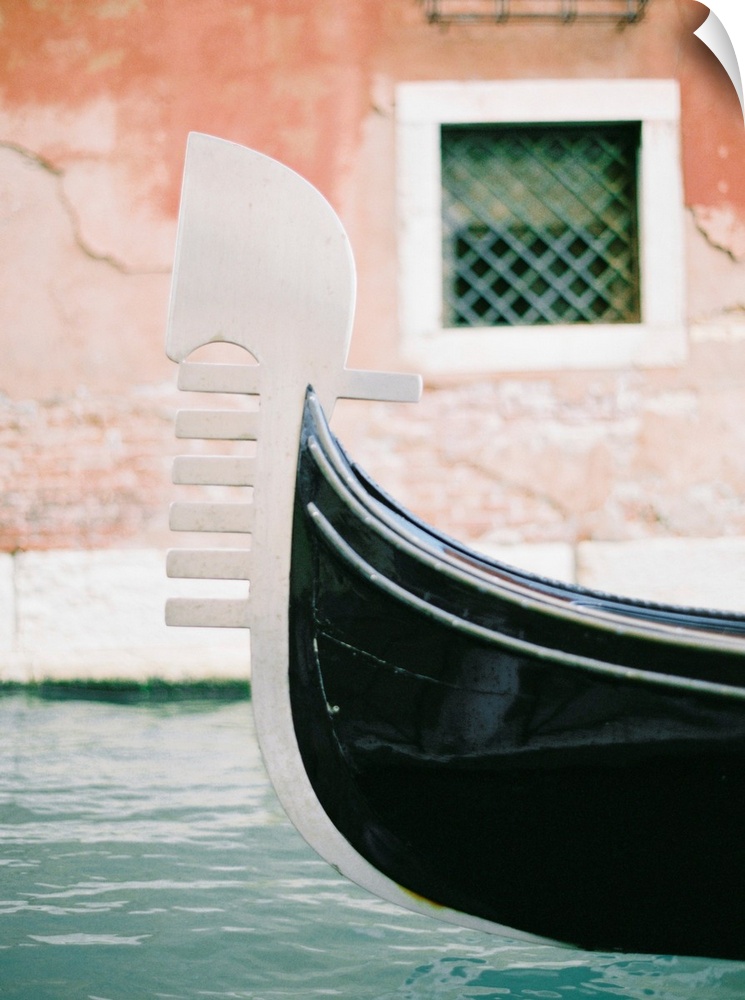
(540, 224)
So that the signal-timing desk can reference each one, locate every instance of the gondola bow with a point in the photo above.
(458, 736)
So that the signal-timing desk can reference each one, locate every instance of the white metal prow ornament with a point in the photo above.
(263, 262)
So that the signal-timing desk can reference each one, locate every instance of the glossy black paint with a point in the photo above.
(561, 762)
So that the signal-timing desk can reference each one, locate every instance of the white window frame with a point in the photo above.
(659, 340)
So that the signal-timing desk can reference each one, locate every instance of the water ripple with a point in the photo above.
(154, 827)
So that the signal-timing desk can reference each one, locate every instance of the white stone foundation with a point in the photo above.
(99, 616)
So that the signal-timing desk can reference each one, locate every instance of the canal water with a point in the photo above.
(143, 855)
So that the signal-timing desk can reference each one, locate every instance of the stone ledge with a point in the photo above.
(554, 560)
(99, 615)
(700, 572)
(7, 604)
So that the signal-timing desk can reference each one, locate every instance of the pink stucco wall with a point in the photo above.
(96, 100)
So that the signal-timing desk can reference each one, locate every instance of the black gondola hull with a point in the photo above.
(588, 787)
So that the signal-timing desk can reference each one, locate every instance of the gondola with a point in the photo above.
(459, 736)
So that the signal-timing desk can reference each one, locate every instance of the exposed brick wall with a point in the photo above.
(540, 458)
(85, 471)
(571, 456)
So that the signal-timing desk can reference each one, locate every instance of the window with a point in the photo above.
(541, 224)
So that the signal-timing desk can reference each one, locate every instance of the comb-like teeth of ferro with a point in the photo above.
(206, 516)
(199, 515)
(223, 425)
(210, 612)
(199, 377)
(213, 470)
(209, 564)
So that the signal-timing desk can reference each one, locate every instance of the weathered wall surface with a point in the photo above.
(609, 456)
(96, 100)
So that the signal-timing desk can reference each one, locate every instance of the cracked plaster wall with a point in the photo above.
(82, 460)
(96, 100)
(72, 310)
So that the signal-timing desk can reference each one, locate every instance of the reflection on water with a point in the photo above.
(143, 854)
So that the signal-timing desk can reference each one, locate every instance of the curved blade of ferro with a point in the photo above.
(262, 261)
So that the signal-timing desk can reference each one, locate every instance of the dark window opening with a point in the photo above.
(540, 224)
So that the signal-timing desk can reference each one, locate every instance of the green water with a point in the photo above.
(143, 854)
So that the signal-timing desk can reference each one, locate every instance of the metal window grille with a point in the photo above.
(540, 224)
(449, 11)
